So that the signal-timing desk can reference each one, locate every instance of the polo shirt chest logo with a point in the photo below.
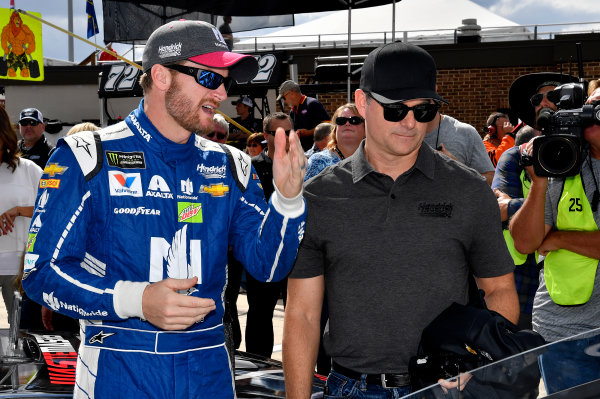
(439, 209)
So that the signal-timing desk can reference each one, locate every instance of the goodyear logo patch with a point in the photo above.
(126, 160)
(189, 212)
(49, 183)
(54, 169)
(30, 242)
(216, 190)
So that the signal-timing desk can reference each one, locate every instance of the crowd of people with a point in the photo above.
(368, 224)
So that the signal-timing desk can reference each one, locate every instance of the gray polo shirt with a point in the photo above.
(396, 253)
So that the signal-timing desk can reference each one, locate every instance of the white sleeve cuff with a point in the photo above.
(289, 207)
(127, 299)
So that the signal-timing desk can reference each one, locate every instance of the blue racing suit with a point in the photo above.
(124, 207)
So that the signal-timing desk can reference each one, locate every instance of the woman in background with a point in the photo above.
(19, 179)
(346, 136)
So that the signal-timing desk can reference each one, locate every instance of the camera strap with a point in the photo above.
(596, 196)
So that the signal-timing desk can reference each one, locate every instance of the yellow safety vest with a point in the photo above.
(518, 257)
(570, 276)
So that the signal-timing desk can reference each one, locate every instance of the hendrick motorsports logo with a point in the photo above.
(126, 160)
(212, 172)
(140, 210)
(55, 304)
(171, 50)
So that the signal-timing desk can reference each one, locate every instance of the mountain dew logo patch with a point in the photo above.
(30, 242)
(189, 212)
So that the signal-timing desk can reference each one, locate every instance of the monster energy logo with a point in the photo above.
(126, 160)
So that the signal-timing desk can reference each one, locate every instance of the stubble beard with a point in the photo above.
(180, 108)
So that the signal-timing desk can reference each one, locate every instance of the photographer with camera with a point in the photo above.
(560, 220)
(527, 98)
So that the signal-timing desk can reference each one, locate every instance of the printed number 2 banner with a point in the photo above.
(21, 39)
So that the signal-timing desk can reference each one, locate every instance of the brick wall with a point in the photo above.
(473, 93)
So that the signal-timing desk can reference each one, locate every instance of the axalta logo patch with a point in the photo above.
(139, 128)
(212, 172)
(140, 210)
(126, 160)
(216, 190)
(125, 184)
(54, 169)
(171, 50)
(49, 183)
(189, 212)
(159, 188)
(56, 304)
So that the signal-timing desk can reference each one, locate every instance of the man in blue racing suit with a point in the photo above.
(124, 235)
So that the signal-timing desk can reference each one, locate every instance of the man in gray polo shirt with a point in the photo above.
(393, 233)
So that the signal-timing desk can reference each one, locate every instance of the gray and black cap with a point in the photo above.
(199, 42)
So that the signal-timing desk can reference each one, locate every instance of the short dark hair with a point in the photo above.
(322, 131)
(275, 115)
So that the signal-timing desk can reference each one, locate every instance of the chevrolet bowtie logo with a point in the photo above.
(216, 190)
(55, 169)
(100, 337)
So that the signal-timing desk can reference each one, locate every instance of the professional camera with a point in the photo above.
(559, 152)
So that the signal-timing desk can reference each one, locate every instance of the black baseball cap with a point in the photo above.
(399, 72)
(526, 86)
(199, 42)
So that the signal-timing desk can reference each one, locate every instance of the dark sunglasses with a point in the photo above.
(29, 122)
(552, 96)
(398, 111)
(253, 145)
(272, 132)
(209, 79)
(355, 120)
(220, 136)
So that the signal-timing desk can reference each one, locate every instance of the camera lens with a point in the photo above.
(558, 155)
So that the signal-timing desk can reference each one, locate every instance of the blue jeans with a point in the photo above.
(339, 386)
(566, 364)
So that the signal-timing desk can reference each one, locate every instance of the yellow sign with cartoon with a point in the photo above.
(21, 41)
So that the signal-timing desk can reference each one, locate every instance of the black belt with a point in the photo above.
(385, 380)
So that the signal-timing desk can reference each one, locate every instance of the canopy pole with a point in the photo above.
(393, 21)
(70, 24)
(349, 95)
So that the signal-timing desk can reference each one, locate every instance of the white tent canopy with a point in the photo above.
(420, 19)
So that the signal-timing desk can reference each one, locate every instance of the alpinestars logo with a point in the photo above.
(100, 337)
(172, 50)
(55, 304)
